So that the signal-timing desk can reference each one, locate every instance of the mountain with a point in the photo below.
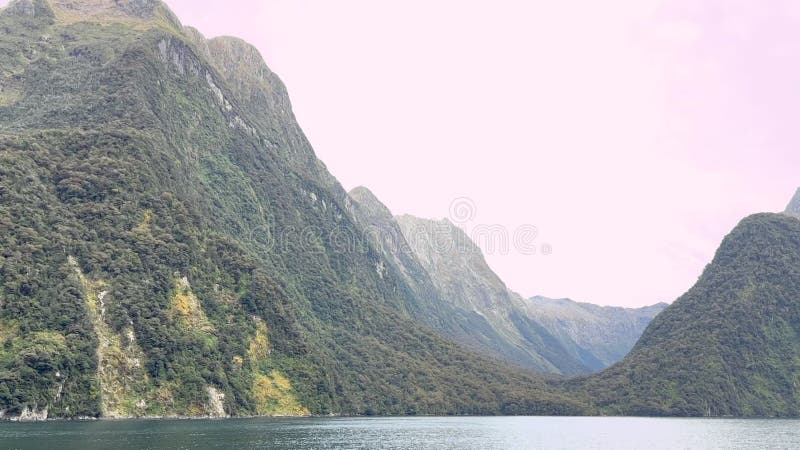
(597, 335)
(794, 205)
(479, 326)
(465, 327)
(171, 246)
(464, 279)
(555, 336)
(730, 346)
(460, 297)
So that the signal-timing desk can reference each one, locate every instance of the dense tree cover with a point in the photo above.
(134, 155)
(729, 346)
(166, 233)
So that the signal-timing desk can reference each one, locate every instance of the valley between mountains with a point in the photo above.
(170, 247)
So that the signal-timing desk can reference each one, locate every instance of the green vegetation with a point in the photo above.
(729, 346)
(155, 203)
(169, 246)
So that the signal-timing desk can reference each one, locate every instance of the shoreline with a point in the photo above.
(363, 416)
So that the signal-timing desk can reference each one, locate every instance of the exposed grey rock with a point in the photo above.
(144, 9)
(599, 336)
(556, 336)
(32, 415)
(794, 206)
(21, 8)
(263, 97)
(464, 279)
(466, 326)
(216, 403)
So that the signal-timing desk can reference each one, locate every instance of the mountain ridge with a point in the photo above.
(175, 244)
(606, 333)
(171, 246)
(729, 346)
(492, 319)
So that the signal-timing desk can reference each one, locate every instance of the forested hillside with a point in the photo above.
(730, 346)
(170, 245)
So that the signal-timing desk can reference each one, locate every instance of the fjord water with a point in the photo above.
(407, 433)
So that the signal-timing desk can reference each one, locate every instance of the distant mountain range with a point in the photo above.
(597, 335)
(170, 246)
(466, 301)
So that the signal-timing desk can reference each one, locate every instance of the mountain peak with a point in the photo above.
(736, 329)
(132, 8)
(152, 133)
(794, 206)
(32, 8)
(363, 194)
(366, 199)
(70, 11)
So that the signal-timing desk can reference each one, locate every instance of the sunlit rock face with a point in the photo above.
(794, 205)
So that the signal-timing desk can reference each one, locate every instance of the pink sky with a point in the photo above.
(634, 134)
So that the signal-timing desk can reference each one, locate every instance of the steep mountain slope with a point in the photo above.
(730, 345)
(599, 336)
(170, 245)
(463, 279)
(462, 298)
(467, 325)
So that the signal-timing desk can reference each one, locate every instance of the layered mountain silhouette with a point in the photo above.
(461, 297)
(598, 336)
(729, 346)
(171, 246)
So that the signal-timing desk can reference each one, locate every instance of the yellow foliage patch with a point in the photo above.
(9, 96)
(259, 346)
(144, 225)
(274, 396)
(238, 361)
(187, 309)
(272, 391)
(280, 381)
(8, 330)
(184, 304)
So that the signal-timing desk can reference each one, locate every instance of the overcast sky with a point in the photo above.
(634, 134)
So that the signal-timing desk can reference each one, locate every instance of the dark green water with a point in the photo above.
(406, 433)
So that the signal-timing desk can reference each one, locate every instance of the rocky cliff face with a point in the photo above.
(475, 326)
(463, 279)
(794, 205)
(462, 298)
(570, 337)
(598, 336)
(170, 245)
(111, 10)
